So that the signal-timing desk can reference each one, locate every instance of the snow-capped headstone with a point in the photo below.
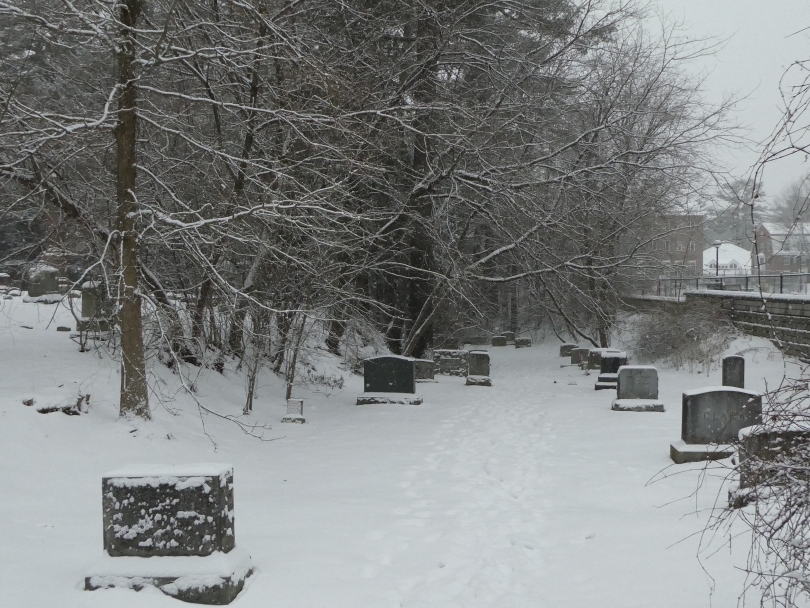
(637, 389)
(42, 279)
(389, 379)
(424, 369)
(450, 362)
(523, 342)
(711, 419)
(5, 279)
(96, 307)
(565, 349)
(498, 340)
(295, 411)
(734, 371)
(609, 369)
(766, 452)
(509, 335)
(478, 368)
(182, 519)
(579, 355)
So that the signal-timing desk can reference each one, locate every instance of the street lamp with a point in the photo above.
(716, 246)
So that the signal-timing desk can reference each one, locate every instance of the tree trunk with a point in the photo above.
(134, 390)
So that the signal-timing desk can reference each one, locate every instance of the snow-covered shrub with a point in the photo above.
(682, 335)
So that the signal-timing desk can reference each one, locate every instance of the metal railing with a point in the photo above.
(798, 283)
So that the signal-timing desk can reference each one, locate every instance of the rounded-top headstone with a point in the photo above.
(479, 363)
(734, 371)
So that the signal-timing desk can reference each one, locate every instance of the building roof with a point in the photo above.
(729, 254)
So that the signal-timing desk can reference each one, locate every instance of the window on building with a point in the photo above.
(678, 246)
(691, 245)
(666, 245)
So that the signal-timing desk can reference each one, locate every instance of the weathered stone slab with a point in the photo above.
(478, 363)
(565, 349)
(763, 450)
(637, 405)
(604, 386)
(449, 362)
(637, 382)
(734, 371)
(498, 340)
(579, 355)
(612, 361)
(42, 279)
(165, 510)
(389, 374)
(715, 415)
(478, 381)
(614, 378)
(95, 303)
(295, 411)
(523, 342)
(681, 452)
(509, 335)
(423, 369)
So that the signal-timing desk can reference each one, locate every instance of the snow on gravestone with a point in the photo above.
(734, 371)
(509, 335)
(450, 362)
(498, 340)
(389, 379)
(182, 518)
(565, 349)
(479, 369)
(295, 411)
(711, 419)
(637, 389)
(523, 342)
(609, 369)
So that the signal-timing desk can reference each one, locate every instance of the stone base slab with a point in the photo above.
(637, 405)
(478, 381)
(614, 378)
(381, 398)
(603, 386)
(214, 579)
(296, 419)
(681, 452)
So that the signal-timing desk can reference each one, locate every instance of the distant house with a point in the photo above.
(681, 244)
(725, 260)
(781, 249)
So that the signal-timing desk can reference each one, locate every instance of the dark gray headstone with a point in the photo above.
(565, 349)
(95, 303)
(764, 450)
(595, 358)
(612, 361)
(498, 340)
(509, 335)
(479, 363)
(716, 414)
(42, 279)
(734, 371)
(579, 355)
(153, 510)
(389, 374)
(637, 382)
(449, 362)
(523, 342)
(423, 369)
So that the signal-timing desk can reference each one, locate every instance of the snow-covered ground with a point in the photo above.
(529, 493)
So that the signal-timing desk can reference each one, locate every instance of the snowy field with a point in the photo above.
(531, 493)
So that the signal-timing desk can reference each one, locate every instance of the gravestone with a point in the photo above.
(295, 411)
(389, 379)
(96, 307)
(734, 371)
(5, 279)
(612, 361)
(579, 355)
(637, 389)
(766, 452)
(479, 369)
(509, 335)
(565, 349)
(449, 362)
(169, 514)
(477, 340)
(523, 342)
(711, 419)
(42, 279)
(498, 340)
(423, 369)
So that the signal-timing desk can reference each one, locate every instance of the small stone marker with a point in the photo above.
(523, 342)
(295, 411)
(450, 362)
(62, 328)
(498, 340)
(479, 369)
(389, 379)
(509, 335)
(423, 369)
(734, 371)
(168, 514)
(637, 389)
(565, 349)
(711, 420)
(579, 355)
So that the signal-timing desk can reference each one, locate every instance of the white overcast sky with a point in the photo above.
(758, 50)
